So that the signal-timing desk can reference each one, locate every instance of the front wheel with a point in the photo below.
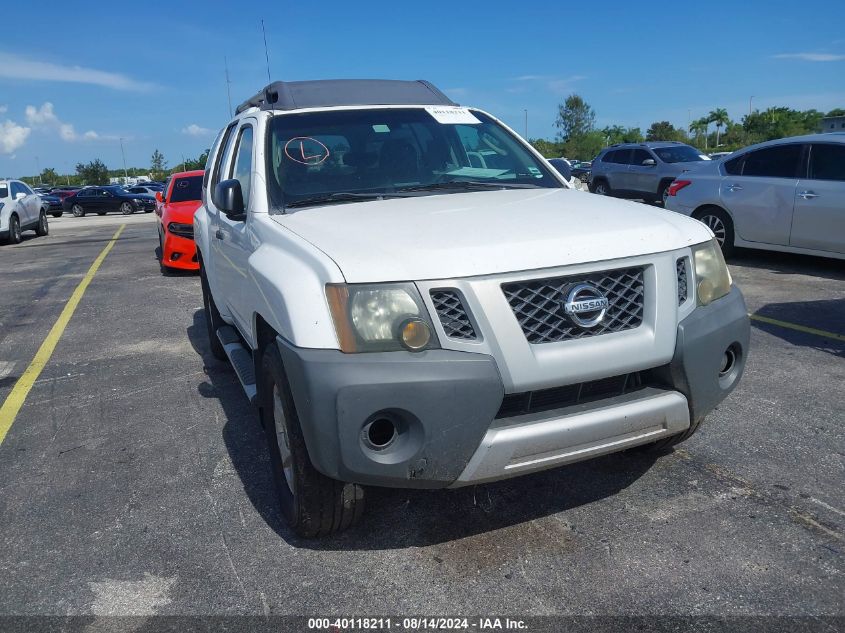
(313, 505)
(126, 208)
(56, 214)
(78, 211)
(722, 226)
(213, 320)
(15, 236)
(601, 188)
(42, 228)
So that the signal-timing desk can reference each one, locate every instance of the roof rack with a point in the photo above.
(293, 95)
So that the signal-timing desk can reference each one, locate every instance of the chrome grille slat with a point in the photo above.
(453, 315)
(682, 279)
(538, 304)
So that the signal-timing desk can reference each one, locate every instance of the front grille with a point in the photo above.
(682, 279)
(538, 304)
(453, 315)
(558, 397)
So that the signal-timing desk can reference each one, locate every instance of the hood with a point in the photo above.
(487, 232)
(181, 211)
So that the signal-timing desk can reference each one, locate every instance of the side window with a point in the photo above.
(622, 157)
(733, 167)
(609, 157)
(25, 188)
(4, 190)
(780, 161)
(242, 168)
(223, 155)
(639, 155)
(16, 189)
(827, 162)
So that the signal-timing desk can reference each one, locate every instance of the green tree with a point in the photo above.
(93, 173)
(197, 163)
(720, 117)
(584, 146)
(780, 122)
(158, 165)
(618, 134)
(664, 131)
(49, 176)
(836, 112)
(549, 149)
(574, 118)
(698, 128)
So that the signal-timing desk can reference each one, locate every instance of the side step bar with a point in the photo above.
(241, 360)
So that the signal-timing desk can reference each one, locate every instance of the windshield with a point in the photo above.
(353, 154)
(678, 154)
(185, 189)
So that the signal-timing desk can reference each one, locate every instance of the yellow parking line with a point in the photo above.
(799, 328)
(20, 391)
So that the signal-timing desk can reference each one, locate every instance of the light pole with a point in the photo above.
(750, 102)
(526, 123)
(38, 175)
(125, 173)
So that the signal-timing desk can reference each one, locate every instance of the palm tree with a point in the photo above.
(698, 127)
(720, 117)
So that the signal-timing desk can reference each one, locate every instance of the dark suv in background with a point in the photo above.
(642, 170)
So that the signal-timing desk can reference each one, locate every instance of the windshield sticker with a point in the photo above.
(380, 128)
(477, 172)
(452, 115)
(306, 150)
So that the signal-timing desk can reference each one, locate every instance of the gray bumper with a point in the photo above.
(444, 405)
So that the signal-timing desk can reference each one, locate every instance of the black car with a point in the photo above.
(51, 204)
(101, 200)
(582, 171)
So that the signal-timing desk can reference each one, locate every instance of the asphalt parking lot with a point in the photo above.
(134, 479)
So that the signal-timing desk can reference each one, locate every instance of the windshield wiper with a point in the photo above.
(468, 185)
(341, 196)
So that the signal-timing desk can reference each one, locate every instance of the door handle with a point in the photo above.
(734, 187)
(807, 195)
(219, 234)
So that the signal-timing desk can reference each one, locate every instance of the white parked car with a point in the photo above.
(20, 210)
(783, 195)
(403, 317)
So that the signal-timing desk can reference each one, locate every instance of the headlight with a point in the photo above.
(380, 318)
(182, 230)
(712, 278)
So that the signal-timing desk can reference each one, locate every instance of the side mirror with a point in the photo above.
(159, 197)
(20, 195)
(649, 162)
(229, 199)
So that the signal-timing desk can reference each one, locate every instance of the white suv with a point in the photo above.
(413, 297)
(20, 210)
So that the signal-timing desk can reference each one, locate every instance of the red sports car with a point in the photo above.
(175, 208)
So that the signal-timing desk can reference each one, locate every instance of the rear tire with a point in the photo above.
(15, 236)
(42, 228)
(663, 193)
(722, 226)
(213, 320)
(313, 505)
(56, 214)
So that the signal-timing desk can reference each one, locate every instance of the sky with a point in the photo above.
(80, 76)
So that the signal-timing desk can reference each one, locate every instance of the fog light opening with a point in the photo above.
(728, 362)
(380, 433)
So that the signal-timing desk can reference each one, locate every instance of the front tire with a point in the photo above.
(722, 226)
(313, 505)
(213, 320)
(602, 188)
(42, 228)
(126, 208)
(56, 214)
(77, 211)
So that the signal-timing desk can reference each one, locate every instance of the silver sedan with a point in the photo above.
(784, 195)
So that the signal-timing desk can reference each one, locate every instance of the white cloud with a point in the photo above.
(3, 109)
(45, 118)
(12, 136)
(18, 67)
(195, 130)
(811, 57)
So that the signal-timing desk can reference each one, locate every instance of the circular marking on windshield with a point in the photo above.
(306, 150)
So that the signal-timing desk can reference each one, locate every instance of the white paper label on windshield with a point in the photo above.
(452, 114)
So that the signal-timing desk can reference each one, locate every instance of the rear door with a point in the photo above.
(819, 218)
(759, 192)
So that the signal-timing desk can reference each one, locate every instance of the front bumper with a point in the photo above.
(179, 252)
(444, 406)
